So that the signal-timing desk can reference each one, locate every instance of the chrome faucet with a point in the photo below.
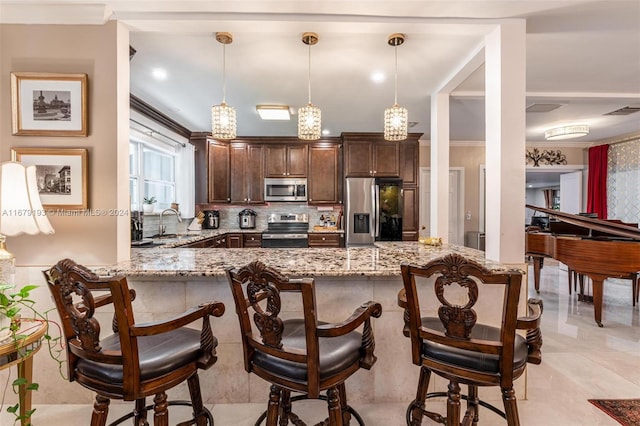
(162, 228)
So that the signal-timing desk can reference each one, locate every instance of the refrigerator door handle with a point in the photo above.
(376, 210)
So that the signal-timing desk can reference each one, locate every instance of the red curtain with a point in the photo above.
(597, 184)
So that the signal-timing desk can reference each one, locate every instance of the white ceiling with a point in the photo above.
(583, 55)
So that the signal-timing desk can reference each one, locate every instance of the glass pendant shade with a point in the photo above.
(223, 116)
(309, 116)
(223, 121)
(396, 123)
(309, 122)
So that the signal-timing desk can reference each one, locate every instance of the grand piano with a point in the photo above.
(599, 249)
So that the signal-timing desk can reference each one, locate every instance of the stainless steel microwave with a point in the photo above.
(278, 189)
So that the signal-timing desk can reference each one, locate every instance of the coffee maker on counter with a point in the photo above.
(211, 219)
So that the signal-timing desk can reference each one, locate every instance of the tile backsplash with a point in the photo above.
(229, 216)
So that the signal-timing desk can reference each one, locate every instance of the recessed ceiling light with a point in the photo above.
(378, 77)
(273, 112)
(159, 73)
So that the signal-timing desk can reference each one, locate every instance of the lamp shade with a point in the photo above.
(21, 210)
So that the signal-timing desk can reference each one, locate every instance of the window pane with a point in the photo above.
(133, 192)
(133, 158)
(162, 191)
(157, 165)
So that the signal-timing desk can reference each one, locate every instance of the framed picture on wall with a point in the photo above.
(44, 104)
(61, 175)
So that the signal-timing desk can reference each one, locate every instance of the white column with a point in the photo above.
(505, 58)
(440, 165)
(123, 198)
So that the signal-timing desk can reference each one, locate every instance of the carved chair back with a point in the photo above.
(454, 326)
(73, 287)
(257, 292)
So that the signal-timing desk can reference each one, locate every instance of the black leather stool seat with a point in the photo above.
(159, 354)
(336, 353)
(469, 359)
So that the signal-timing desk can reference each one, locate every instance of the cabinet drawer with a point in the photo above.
(325, 240)
(252, 240)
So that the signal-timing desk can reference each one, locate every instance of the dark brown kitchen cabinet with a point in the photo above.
(323, 239)
(252, 240)
(218, 172)
(219, 242)
(288, 160)
(325, 174)
(213, 242)
(234, 241)
(246, 173)
(370, 157)
(410, 214)
(409, 160)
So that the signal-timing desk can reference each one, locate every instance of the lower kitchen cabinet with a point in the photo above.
(252, 240)
(213, 242)
(323, 239)
(234, 241)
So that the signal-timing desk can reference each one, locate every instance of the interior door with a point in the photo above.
(571, 192)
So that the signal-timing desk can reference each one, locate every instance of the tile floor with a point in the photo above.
(580, 361)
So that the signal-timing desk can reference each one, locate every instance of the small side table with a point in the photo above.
(22, 357)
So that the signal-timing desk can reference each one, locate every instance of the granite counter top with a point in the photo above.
(382, 259)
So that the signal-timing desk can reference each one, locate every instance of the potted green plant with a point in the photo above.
(147, 204)
(12, 303)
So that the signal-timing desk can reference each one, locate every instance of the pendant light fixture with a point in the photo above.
(223, 116)
(395, 117)
(309, 116)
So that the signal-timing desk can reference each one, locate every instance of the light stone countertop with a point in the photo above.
(382, 259)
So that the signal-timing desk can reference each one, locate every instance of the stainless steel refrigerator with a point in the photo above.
(373, 210)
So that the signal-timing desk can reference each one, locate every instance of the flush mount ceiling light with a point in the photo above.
(223, 116)
(566, 132)
(395, 117)
(273, 112)
(309, 116)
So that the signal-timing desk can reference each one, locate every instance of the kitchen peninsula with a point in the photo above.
(169, 280)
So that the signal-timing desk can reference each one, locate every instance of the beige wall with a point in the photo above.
(471, 156)
(93, 50)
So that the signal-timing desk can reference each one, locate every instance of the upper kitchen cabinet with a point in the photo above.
(219, 191)
(369, 155)
(285, 160)
(325, 174)
(211, 169)
(409, 160)
(246, 173)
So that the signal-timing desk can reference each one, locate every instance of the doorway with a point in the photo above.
(456, 203)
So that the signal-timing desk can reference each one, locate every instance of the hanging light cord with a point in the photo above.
(395, 97)
(309, 75)
(224, 73)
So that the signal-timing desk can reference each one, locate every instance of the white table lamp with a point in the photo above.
(21, 211)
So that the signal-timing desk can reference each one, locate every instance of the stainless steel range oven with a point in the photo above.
(286, 230)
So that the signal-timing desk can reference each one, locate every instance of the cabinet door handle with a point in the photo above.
(323, 238)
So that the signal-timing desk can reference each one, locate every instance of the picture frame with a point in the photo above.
(47, 104)
(61, 174)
